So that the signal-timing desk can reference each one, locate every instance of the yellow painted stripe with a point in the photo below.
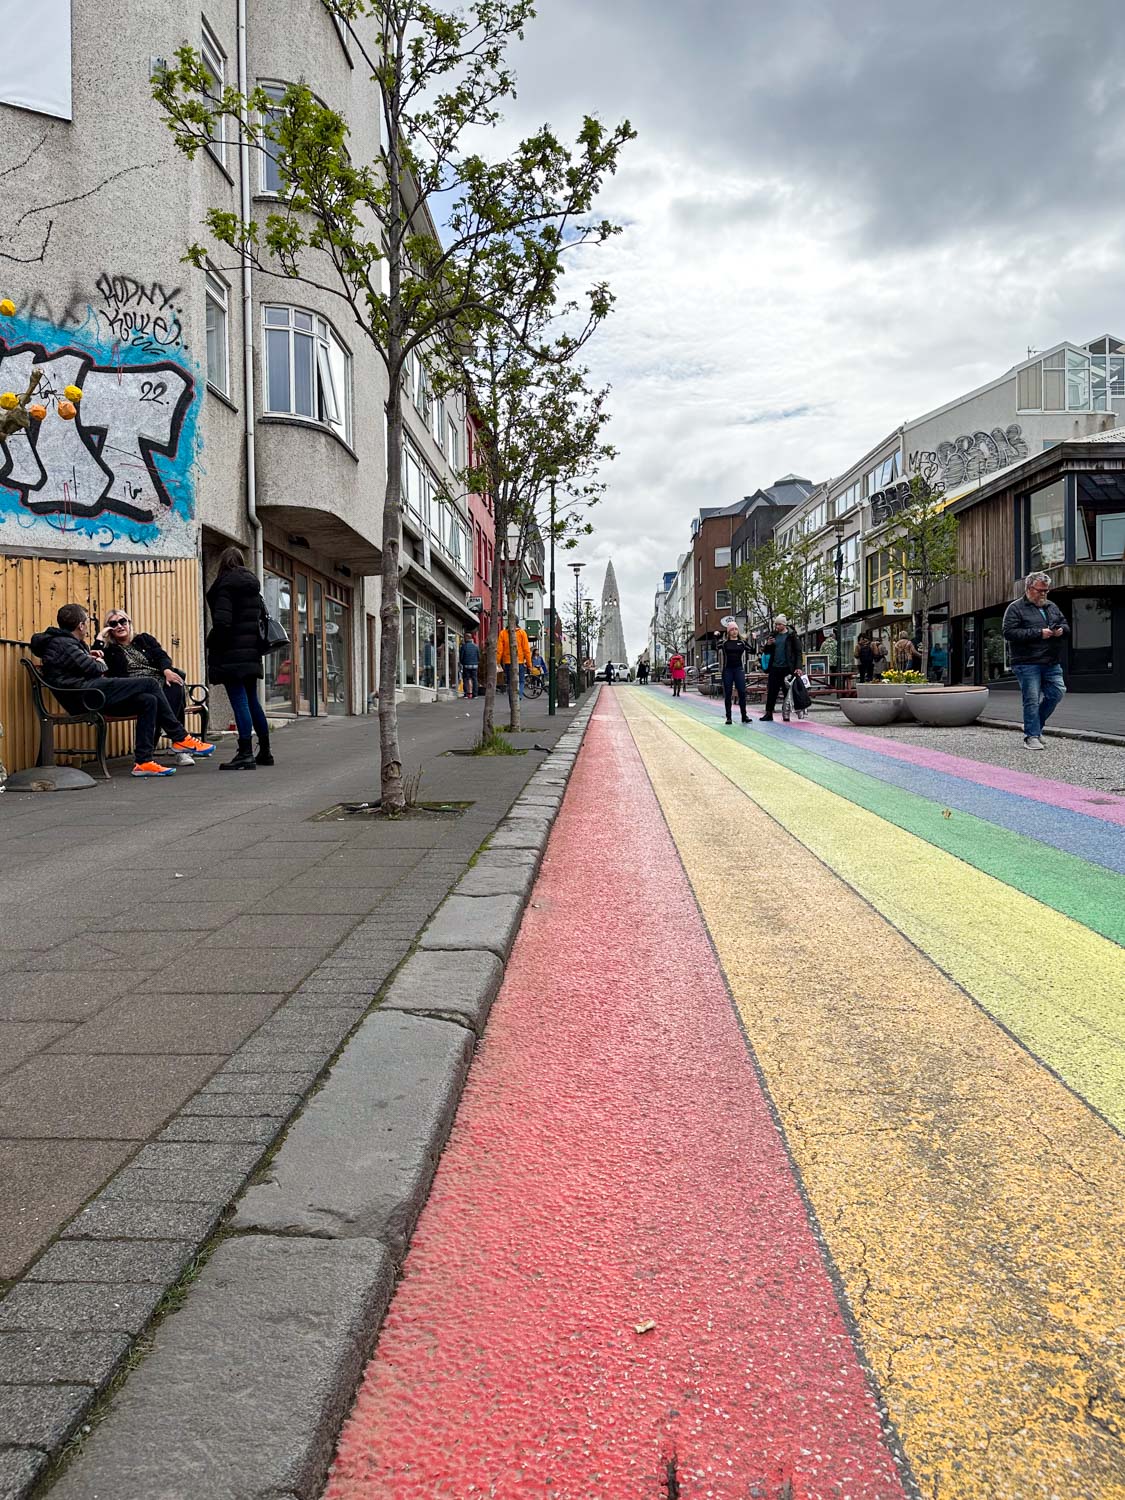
(973, 1206)
(1055, 984)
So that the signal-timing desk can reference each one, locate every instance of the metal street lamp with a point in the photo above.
(579, 680)
(839, 528)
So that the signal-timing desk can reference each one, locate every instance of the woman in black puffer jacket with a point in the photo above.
(234, 654)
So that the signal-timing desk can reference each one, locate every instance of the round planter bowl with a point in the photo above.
(895, 691)
(947, 707)
(872, 713)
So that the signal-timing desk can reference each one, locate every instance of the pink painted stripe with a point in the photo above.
(1054, 793)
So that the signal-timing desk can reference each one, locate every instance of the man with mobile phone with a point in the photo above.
(1035, 629)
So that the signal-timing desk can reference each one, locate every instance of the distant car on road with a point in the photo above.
(621, 672)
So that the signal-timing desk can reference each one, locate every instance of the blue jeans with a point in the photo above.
(1043, 690)
(249, 715)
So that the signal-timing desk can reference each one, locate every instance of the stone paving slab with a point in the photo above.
(157, 1261)
(288, 1323)
(449, 986)
(93, 1098)
(465, 923)
(360, 1158)
(41, 1416)
(46, 1358)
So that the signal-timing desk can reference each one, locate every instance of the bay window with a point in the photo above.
(308, 369)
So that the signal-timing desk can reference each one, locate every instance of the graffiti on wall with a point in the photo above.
(121, 475)
(962, 459)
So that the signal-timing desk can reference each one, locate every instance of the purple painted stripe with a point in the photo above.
(1054, 793)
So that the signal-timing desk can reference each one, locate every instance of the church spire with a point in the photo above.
(611, 639)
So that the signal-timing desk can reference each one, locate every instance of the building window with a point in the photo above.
(271, 151)
(1077, 381)
(1030, 397)
(1047, 526)
(1091, 646)
(722, 557)
(1100, 531)
(308, 369)
(883, 582)
(218, 357)
(722, 598)
(1054, 382)
(452, 445)
(215, 62)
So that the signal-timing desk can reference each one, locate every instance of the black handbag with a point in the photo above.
(272, 635)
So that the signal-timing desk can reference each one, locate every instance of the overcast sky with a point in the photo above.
(840, 215)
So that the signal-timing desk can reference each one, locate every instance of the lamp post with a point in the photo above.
(578, 674)
(839, 603)
(552, 667)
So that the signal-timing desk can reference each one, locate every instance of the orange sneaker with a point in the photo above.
(193, 746)
(150, 768)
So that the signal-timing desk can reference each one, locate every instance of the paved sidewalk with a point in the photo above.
(1089, 713)
(148, 929)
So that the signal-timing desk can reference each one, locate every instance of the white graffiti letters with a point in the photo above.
(102, 461)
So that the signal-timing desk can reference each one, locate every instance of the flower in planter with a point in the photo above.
(910, 678)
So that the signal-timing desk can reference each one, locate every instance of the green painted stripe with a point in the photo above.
(1088, 893)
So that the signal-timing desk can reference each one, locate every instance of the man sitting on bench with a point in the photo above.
(70, 668)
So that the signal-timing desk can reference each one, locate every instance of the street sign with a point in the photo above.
(475, 604)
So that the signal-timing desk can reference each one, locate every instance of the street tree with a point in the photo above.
(812, 581)
(922, 540)
(356, 219)
(673, 633)
(765, 585)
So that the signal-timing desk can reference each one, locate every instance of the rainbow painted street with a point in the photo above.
(858, 1233)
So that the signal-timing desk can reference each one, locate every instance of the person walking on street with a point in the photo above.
(733, 653)
(677, 672)
(469, 662)
(234, 655)
(1035, 629)
(785, 658)
(70, 669)
(878, 656)
(865, 658)
(610, 674)
(907, 657)
(642, 672)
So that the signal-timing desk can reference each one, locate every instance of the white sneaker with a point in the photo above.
(184, 759)
(1033, 743)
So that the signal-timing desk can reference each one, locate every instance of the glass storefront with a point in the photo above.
(937, 662)
(277, 689)
(969, 649)
(1047, 536)
(316, 612)
(996, 661)
(1091, 642)
(1100, 529)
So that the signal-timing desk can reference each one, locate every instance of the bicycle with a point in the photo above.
(533, 686)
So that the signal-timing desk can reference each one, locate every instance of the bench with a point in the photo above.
(93, 700)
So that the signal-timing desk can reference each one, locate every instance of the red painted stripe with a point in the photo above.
(614, 1160)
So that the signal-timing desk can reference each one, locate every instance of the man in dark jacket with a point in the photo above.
(469, 661)
(71, 669)
(785, 658)
(1035, 630)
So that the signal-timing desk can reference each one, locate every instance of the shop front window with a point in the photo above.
(969, 649)
(996, 663)
(337, 655)
(280, 676)
(1047, 526)
(937, 663)
(427, 645)
(409, 640)
(452, 651)
(1091, 645)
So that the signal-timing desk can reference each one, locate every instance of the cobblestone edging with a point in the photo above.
(245, 1388)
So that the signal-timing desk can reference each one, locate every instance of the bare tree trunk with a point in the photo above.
(392, 796)
(488, 724)
(511, 617)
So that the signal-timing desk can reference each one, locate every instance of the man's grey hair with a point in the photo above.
(780, 620)
(1033, 578)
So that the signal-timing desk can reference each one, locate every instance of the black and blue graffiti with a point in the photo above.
(102, 462)
(142, 314)
(962, 459)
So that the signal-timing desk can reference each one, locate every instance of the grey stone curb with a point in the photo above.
(1093, 736)
(248, 1383)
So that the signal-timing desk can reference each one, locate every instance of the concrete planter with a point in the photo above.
(947, 707)
(883, 690)
(872, 713)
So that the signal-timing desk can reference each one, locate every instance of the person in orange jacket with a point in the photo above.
(523, 655)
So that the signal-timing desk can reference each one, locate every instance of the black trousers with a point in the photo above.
(775, 685)
(143, 696)
(677, 686)
(734, 677)
(866, 674)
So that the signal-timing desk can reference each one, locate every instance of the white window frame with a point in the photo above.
(214, 59)
(332, 407)
(720, 561)
(275, 90)
(217, 294)
(721, 594)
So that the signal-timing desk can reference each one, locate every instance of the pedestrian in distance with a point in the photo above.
(677, 673)
(610, 674)
(734, 653)
(469, 662)
(878, 657)
(865, 658)
(71, 669)
(642, 672)
(785, 658)
(127, 654)
(907, 657)
(1035, 629)
(235, 645)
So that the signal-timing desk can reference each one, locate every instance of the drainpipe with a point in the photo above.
(249, 396)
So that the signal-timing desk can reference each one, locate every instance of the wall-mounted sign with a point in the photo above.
(475, 604)
(35, 57)
(899, 604)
